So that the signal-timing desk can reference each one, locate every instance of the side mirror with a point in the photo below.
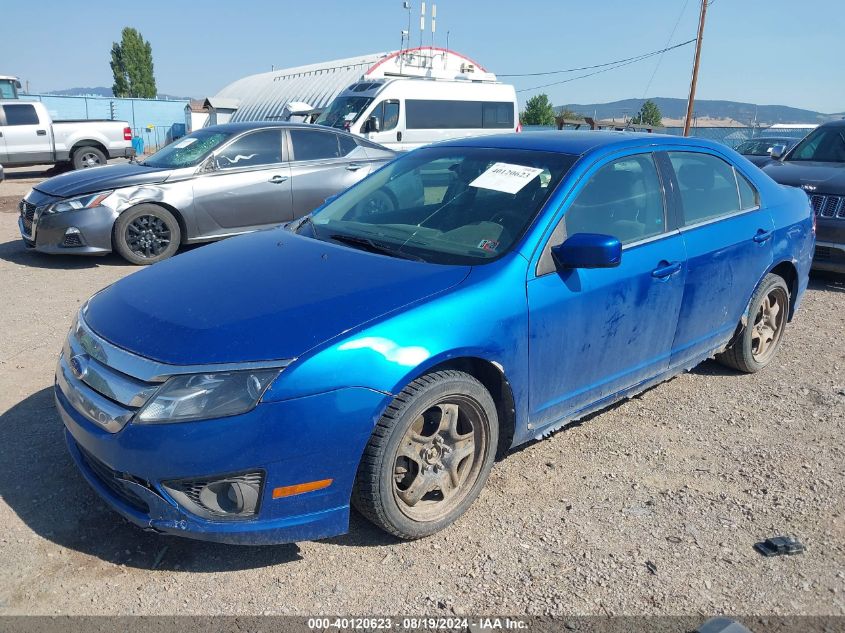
(588, 250)
(777, 151)
(373, 124)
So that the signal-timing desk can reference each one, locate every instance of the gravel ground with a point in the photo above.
(650, 507)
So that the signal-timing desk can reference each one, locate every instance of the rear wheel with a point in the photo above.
(146, 234)
(757, 343)
(86, 157)
(429, 455)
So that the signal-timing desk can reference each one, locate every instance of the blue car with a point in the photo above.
(381, 354)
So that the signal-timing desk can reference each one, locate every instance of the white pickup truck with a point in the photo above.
(28, 136)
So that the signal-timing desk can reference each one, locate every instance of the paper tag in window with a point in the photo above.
(506, 177)
(185, 142)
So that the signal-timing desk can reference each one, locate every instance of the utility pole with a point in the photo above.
(691, 100)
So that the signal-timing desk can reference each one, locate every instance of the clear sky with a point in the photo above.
(759, 51)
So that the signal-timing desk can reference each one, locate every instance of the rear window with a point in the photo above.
(20, 114)
(430, 114)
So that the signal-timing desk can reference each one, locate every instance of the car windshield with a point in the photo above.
(188, 150)
(343, 111)
(825, 144)
(447, 205)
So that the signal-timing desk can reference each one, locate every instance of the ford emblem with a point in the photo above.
(79, 366)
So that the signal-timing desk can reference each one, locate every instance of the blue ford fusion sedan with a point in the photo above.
(380, 352)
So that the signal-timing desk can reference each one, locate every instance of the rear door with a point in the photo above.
(26, 138)
(323, 163)
(728, 240)
(248, 187)
(596, 332)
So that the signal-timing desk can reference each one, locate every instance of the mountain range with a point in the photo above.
(671, 108)
(101, 91)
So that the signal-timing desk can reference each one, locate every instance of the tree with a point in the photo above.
(132, 65)
(538, 111)
(649, 114)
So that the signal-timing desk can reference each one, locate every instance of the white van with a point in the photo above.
(405, 112)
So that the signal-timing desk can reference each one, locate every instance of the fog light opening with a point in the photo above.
(229, 497)
(226, 497)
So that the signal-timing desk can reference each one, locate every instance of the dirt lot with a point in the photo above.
(651, 507)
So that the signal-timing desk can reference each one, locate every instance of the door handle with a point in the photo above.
(41, 132)
(277, 180)
(398, 136)
(666, 269)
(762, 236)
(353, 167)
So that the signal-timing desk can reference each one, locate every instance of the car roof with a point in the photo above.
(243, 126)
(577, 142)
(837, 123)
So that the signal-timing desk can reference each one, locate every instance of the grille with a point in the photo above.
(28, 214)
(825, 206)
(111, 479)
(72, 240)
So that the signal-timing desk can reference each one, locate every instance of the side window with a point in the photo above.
(314, 144)
(257, 148)
(707, 184)
(623, 198)
(347, 145)
(748, 196)
(390, 116)
(21, 114)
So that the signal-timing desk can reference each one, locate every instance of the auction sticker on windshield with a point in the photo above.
(506, 177)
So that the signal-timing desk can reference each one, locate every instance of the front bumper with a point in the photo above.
(294, 441)
(90, 231)
(830, 245)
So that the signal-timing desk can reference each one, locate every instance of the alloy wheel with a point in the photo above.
(147, 236)
(768, 325)
(90, 159)
(439, 458)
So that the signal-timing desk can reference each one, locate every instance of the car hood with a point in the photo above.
(82, 181)
(265, 296)
(825, 177)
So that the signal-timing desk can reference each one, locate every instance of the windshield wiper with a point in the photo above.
(374, 247)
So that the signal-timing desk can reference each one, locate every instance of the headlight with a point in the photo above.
(82, 202)
(204, 396)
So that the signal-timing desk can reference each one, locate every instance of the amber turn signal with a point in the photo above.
(298, 489)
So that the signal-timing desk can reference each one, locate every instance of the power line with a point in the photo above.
(660, 59)
(628, 62)
(618, 61)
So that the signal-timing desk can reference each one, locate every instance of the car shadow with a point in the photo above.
(832, 282)
(16, 253)
(40, 483)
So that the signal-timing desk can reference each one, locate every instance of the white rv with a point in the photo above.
(406, 112)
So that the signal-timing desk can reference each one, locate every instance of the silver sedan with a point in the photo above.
(216, 182)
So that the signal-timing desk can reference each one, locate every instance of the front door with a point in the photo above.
(596, 332)
(390, 133)
(26, 139)
(728, 239)
(247, 186)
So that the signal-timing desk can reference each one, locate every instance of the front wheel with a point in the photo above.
(757, 343)
(429, 455)
(146, 234)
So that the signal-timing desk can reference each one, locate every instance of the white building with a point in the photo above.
(264, 96)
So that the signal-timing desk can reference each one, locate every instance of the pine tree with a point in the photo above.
(132, 65)
(649, 114)
(538, 111)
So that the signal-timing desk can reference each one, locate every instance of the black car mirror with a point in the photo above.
(373, 124)
(777, 151)
(588, 250)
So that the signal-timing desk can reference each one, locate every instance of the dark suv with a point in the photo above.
(817, 165)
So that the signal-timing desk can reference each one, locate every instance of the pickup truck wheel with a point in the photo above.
(757, 343)
(85, 157)
(146, 234)
(429, 455)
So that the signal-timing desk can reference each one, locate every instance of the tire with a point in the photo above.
(758, 340)
(87, 156)
(146, 234)
(447, 420)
